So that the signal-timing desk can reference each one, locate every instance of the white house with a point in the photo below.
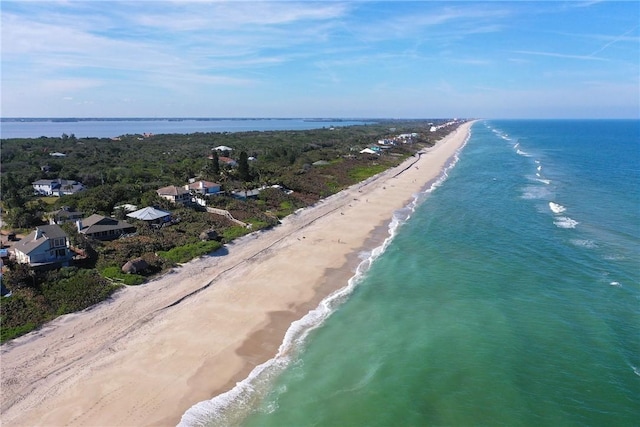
(223, 148)
(56, 187)
(47, 246)
(368, 151)
(203, 187)
(175, 194)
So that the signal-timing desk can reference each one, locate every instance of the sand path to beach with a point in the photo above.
(151, 352)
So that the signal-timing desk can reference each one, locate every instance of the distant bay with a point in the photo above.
(112, 127)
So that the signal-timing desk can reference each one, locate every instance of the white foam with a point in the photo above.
(231, 407)
(556, 208)
(535, 192)
(523, 153)
(565, 222)
(589, 244)
(544, 181)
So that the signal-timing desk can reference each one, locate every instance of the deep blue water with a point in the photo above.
(511, 296)
(113, 128)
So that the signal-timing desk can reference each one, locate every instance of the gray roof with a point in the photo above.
(149, 214)
(97, 223)
(37, 237)
(66, 212)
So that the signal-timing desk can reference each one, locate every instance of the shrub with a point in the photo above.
(181, 254)
(115, 273)
(234, 232)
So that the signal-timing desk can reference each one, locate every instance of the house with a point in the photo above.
(66, 214)
(368, 151)
(386, 142)
(46, 247)
(151, 215)
(56, 187)
(222, 148)
(227, 161)
(203, 187)
(103, 228)
(175, 194)
(246, 194)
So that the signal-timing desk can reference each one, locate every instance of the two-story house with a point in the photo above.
(46, 247)
(56, 187)
(204, 188)
(175, 194)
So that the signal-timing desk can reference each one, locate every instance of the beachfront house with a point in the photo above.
(177, 195)
(46, 247)
(205, 188)
(103, 228)
(151, 215)
(56, 187)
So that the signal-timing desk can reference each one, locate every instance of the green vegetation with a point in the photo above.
(115, 273)
(40, 297)
(361, 173)
(129, 169)
(234, 232)
(190, 251)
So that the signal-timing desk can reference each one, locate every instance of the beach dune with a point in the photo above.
(151, 352)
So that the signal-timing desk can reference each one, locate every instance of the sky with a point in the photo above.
(354, 59)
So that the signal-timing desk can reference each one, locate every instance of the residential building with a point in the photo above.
(175, 194)
(56, 187)
(103, 228)
(66, 214)
(203, 187)
(46, 247)
(227, 161)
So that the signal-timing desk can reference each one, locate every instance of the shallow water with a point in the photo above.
(509, 297)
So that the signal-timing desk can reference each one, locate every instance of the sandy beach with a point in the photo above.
(151, 352)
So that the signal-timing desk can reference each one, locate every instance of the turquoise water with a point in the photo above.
(511, 296)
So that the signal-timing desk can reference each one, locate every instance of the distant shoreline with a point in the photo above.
(31, 128)
(175, 119)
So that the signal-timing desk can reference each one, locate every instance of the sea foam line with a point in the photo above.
(233, 406)
(565, 222)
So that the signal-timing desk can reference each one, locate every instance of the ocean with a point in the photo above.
(107, 128)
(509, 294)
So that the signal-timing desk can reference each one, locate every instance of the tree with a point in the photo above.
(215, 164)
(20, 276)
(11, 191)
(243, 167)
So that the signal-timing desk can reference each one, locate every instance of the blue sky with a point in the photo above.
(544, 59)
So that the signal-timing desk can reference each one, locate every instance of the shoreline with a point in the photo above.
(150, 353)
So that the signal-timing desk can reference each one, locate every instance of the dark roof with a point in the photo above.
(39, 236)
(97, 223)
(66, 212)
